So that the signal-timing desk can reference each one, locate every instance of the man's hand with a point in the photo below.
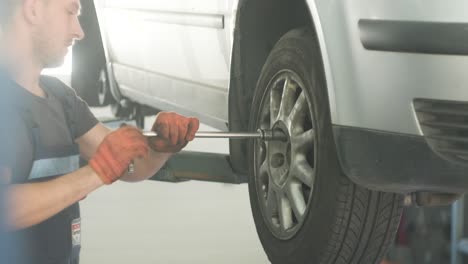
(174, 132)
(115, 153)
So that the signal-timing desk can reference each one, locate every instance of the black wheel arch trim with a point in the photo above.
(253, 39)
(395, 162)
(91, 22)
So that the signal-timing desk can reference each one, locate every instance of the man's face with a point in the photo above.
(56, 31)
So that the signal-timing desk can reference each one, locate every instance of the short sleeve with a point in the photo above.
(81, 114)
(6, 140)
(77, 110)
(16, 152)
(5, 121)
(10, 122)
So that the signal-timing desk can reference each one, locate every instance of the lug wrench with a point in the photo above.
(262, 134)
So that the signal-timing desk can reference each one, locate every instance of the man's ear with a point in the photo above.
(32, 11)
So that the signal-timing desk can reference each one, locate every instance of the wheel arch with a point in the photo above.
(87, 56)
(91, 52)
(259, 25)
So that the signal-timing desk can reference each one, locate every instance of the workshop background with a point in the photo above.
(203, 222)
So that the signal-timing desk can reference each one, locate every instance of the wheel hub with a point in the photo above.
(279, 156)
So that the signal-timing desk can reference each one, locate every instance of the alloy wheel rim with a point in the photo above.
(285, 170)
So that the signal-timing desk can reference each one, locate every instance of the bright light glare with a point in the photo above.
(63, 72)
(65, 69)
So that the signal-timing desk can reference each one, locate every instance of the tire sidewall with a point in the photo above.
(298, 51)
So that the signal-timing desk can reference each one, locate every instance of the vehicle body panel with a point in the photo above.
(182, 59)
(178, 55)
(373, 89)
(185, 49)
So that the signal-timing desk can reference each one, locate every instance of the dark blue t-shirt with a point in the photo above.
(60, 119)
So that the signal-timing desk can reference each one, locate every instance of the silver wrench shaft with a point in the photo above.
(260, 134)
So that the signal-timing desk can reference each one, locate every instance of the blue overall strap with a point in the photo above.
(50, 167)
(52, 162)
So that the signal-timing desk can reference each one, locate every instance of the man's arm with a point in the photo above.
(31, 203)
(144, 167)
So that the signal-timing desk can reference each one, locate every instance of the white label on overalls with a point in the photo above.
(76, 232)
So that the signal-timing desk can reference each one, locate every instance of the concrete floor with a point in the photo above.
(170, 223)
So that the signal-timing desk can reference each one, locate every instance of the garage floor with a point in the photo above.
(170, 223)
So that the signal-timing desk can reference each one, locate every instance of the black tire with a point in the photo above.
(342, 222)
(89, 75)
(85, 74)
(104, 93)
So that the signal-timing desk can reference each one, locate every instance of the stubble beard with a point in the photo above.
(51, 58)
(53, 62)
(47, 55)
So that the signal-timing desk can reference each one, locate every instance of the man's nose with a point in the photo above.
(78, 31)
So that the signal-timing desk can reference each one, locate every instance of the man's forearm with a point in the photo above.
(146, 168)
(31, 203)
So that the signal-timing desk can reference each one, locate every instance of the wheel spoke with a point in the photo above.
(265, 121)
(275, 102)
(262, 147)
(271, 203)
(303, 171)
(296, 197)
(263, 170)
(287, 98)
(284, 211)
(299, 111)
(304, 141)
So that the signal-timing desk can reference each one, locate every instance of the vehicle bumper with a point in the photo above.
(397, 162)
(381, 55)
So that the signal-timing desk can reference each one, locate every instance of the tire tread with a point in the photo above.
(363, 208)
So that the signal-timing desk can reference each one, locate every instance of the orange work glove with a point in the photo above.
(117, 151)
(174, 132)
